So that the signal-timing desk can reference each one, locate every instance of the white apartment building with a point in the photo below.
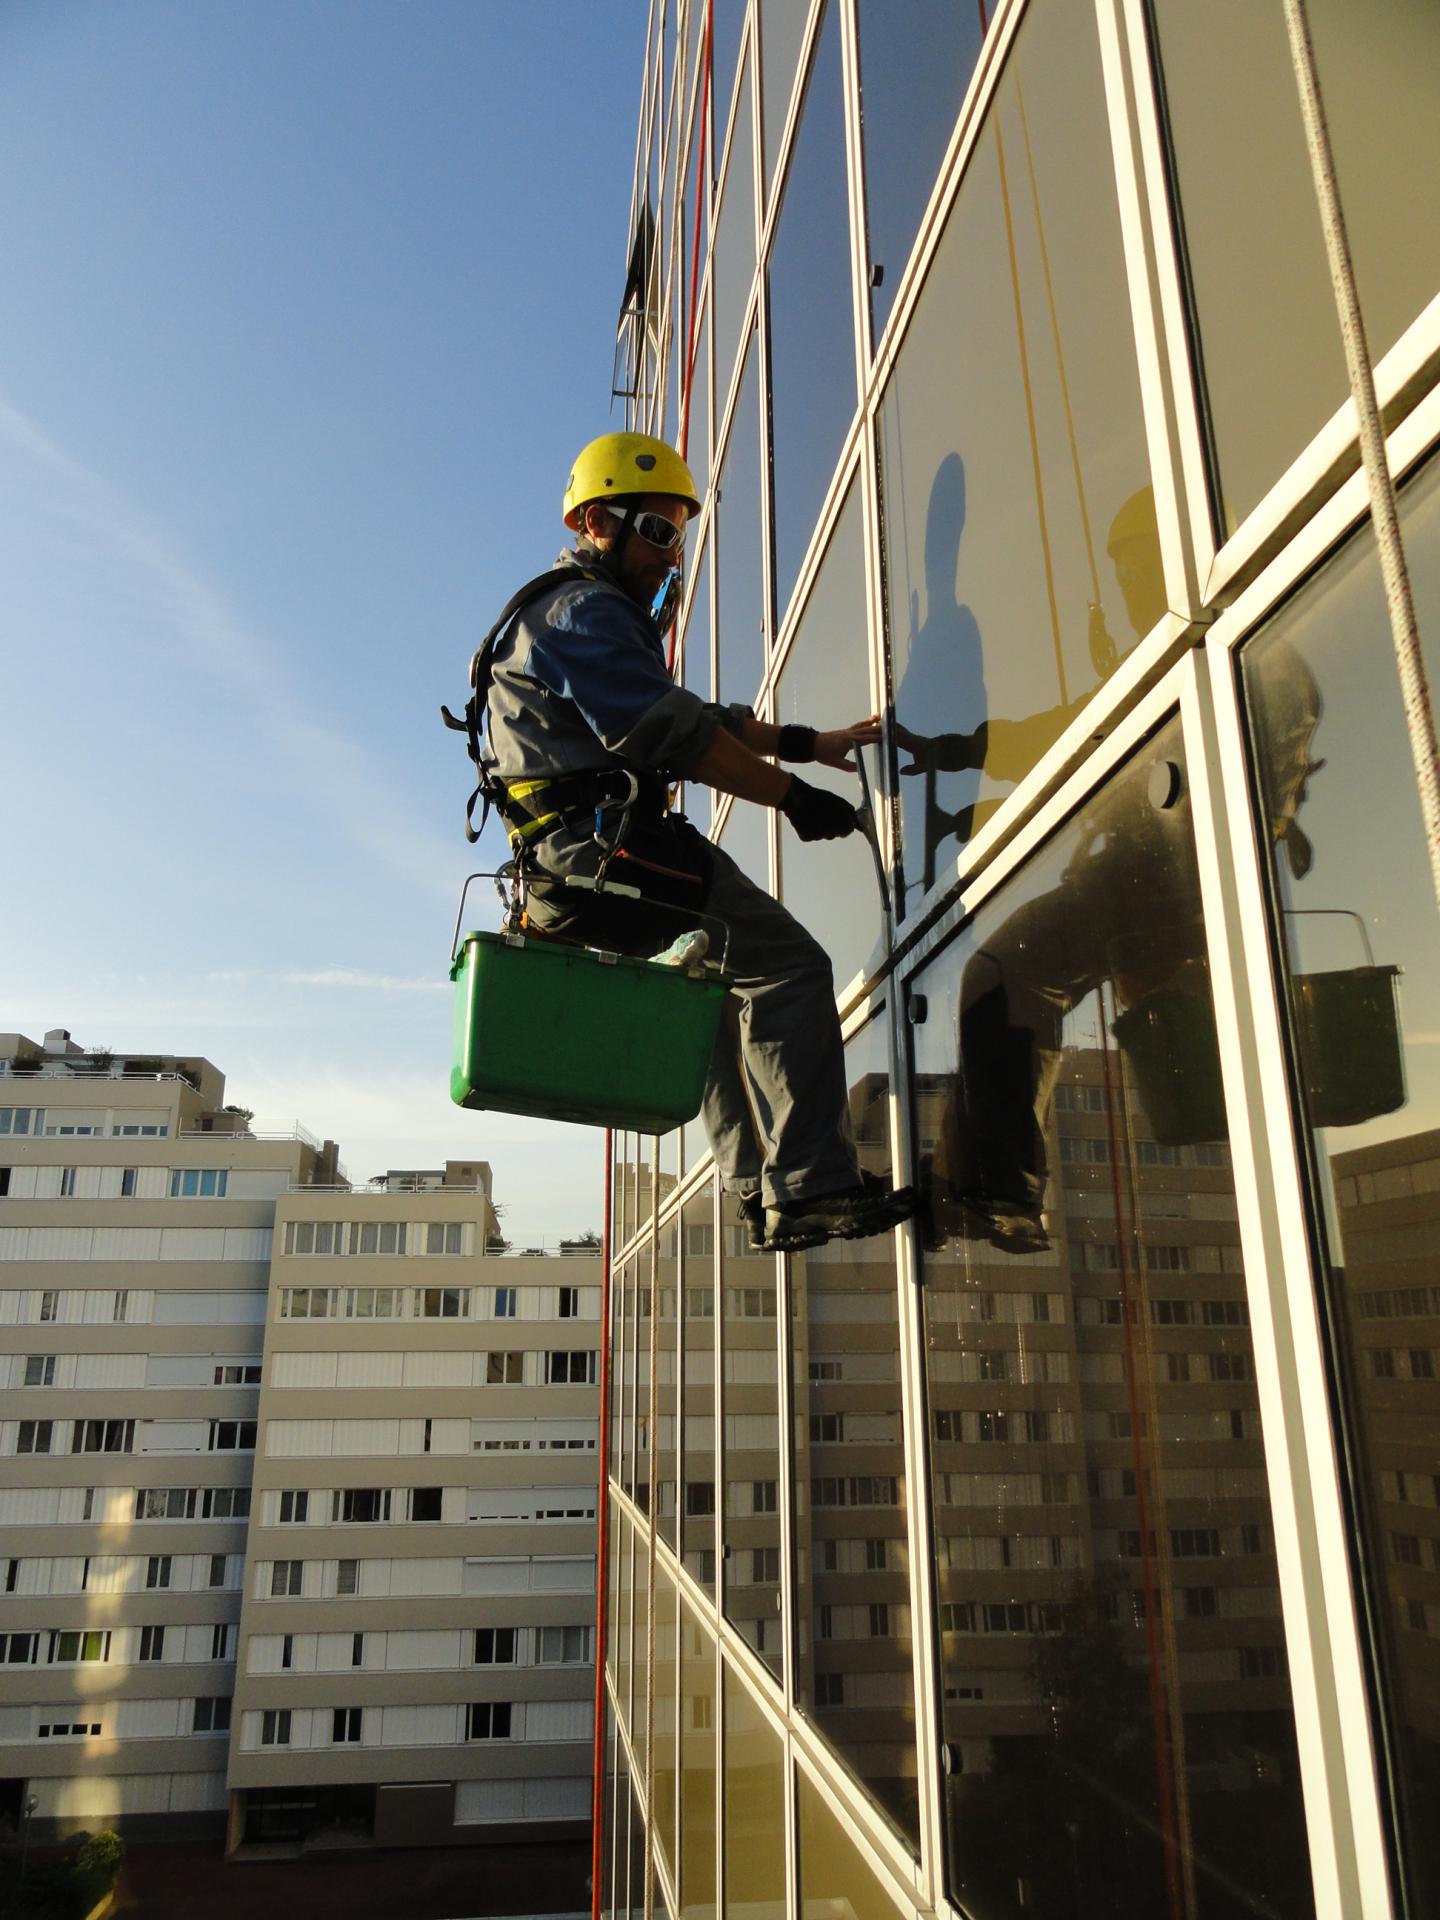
(353, 1604)
(136, 1212)
(417, 1633)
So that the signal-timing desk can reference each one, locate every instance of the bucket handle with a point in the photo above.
(501, 874)
(1343, 913)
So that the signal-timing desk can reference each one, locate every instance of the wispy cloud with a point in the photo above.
(350, 788)
(368, 982)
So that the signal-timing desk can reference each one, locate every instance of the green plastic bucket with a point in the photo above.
(567, 1033)
(1347, 1033)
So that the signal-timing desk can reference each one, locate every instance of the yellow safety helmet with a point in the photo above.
(620, 464)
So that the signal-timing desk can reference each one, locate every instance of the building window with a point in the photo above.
(378, 1236)
(488, 1720)
(50, 1304)
(212, 1714)
(286, 1578)
(127, 1183)
(444, 1303)
(425, 1503)
(347, 1576)
(699, 1498)
(19, 1649)
(198, 1183)
(345, 1726)
(34, 1436)
(504, 1303)
(569, 1303)
(360, 1505)
(287, 1652)
(226, 1503)
(220, 1642)
(764, 1496)
(237, 1373)
(445, 1236)
(357, 1647)
(232, 1436)
(829, 1689)
(39, 1370)
(294, 1507)
(4, 1183)
(25, 1120)
(165, 1503)
(152, 1643)
(504, 1369)
(275, 1727)
(565, 1646)
(67, 1183)
(318, 1237)
(217, 1569)
(494, 1647)
(102, 1437)
(576, 1369)
(157, 1570)
(69, 1649)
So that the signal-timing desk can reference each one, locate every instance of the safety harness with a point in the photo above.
(531, 809)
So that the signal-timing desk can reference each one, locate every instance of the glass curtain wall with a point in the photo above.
(972, 1587)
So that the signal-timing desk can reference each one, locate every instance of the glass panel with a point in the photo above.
(729, 19)
(754, 1809)
(644, 1174)
(613, 1641)
(663, 1801)
(1013, 471)
(621, 1626)
(1117, 1719)
(1257, 266)
(624, 1187)
(1256, 260)
(912, 83)
(618, 1819)
(812, 332)
(749, 1343)
(782, 28)
(698, 677)
(738, 534)
(697, 434)
(733, 264)
(617, 1372)
(1360, 951)
(625, 1404)
(636, 1864)
(666, 1432)
(834, 1878)
(697, 1516)
(697, 1770)
(831, 888)
(854, 1673)
(639, 1652)
(642, 1376)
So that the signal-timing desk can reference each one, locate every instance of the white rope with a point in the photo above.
(1414, 683)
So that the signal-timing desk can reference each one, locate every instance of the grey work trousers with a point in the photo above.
(776, 1109)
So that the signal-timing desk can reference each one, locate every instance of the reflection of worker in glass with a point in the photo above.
(1003, 749)
(1126, 914)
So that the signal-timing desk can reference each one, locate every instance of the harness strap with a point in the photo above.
(482, 675)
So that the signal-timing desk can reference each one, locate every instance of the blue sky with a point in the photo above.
(306, 306)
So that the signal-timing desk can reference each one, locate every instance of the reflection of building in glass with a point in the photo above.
(1020, 404)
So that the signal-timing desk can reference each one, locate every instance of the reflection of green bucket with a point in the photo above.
(1169, 1040)
(1347, 1032)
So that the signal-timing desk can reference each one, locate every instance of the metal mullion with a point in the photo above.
(1327, 1672)
(910, 1321)
(855, 190)
(1169, 401)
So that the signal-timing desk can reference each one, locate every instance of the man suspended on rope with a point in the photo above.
(586, 731)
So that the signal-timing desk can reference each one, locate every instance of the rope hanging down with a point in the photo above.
(1400, 602)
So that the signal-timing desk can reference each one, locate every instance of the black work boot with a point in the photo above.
(855, 1213)
(751, 1209)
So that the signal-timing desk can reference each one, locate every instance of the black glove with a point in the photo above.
(816, 814)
